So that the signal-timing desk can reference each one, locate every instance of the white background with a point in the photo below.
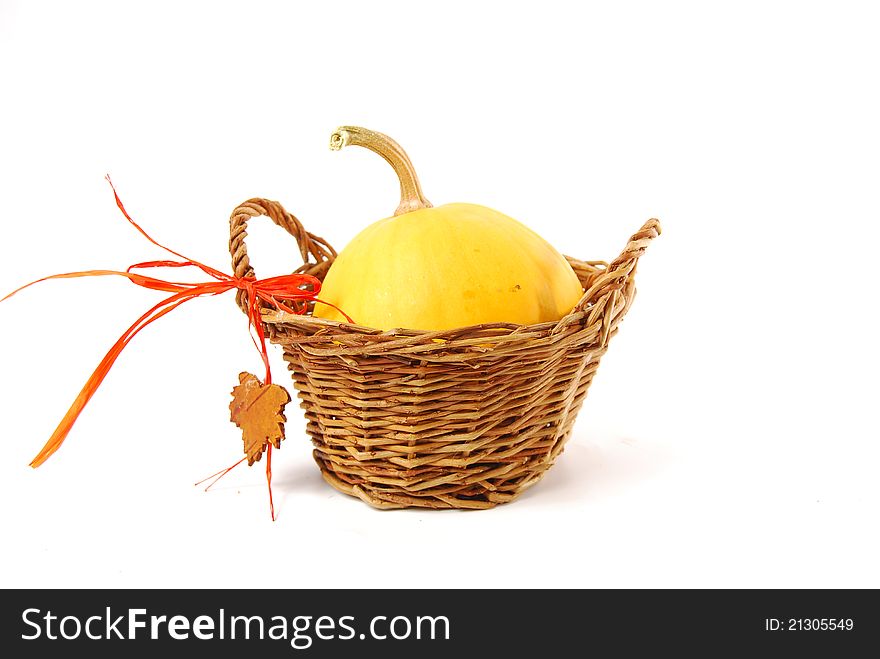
(730, 438)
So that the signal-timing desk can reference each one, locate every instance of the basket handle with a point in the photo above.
(317, 253)
(623, 267)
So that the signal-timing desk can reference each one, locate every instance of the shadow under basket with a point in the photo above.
(462, 418)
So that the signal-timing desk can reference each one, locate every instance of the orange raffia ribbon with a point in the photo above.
(270, 291)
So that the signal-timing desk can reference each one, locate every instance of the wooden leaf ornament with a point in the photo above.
(258, 409)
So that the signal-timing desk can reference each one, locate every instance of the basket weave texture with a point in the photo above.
(462, 418)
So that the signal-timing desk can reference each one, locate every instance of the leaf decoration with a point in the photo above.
(258, 409)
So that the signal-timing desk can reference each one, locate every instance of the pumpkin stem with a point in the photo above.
(411, 196)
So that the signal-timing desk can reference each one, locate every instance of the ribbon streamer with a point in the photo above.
(272, 291)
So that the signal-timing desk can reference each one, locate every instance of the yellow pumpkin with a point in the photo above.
(440, 268)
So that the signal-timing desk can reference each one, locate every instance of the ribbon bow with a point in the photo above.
(273, 291)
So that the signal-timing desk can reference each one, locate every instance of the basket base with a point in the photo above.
(390, 500)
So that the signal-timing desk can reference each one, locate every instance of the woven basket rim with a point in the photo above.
(276, 316)
(604, 279)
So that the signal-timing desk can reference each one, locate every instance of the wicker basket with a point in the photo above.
(463, 418)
